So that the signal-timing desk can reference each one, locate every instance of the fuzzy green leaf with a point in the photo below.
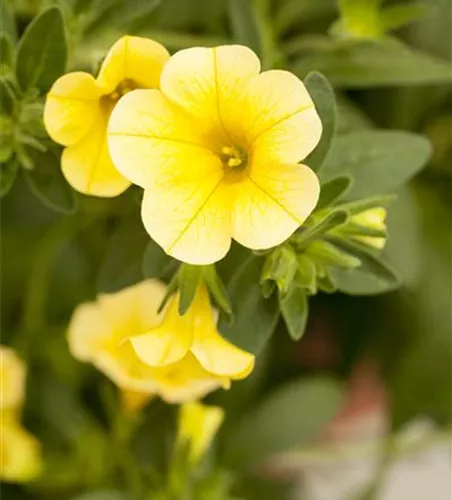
(295, 309)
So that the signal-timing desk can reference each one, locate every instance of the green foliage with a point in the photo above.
(275, 424)
(42, 53)
(379, 161)
(364, 64)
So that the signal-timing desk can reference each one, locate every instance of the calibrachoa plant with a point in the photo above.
(252, 202)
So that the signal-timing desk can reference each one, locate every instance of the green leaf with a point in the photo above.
(244, 24)
(255, 317)
(293, 415)
(319, 226)
(379, 161)
(327, 254)
(325, 102)
(295, 309)
(7, 52)
(373, 64)
(395, 16)
(293, 13)
(7, 100)
(216, 288)
(42, 52)
(189, 278)
(332, 190)
(156, 263)
(374, 276)
(47, 182)
(7, 21)
(8, 174)
(122, 262)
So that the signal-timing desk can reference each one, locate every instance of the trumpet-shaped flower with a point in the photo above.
(216, 150)
(177, 357)
(198, 425)
(78, 108)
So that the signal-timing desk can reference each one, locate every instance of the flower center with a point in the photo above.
(125, 86)
(234, 157)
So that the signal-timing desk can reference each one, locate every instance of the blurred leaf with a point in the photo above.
(102, 495)
(255, 318)
(189, 278)
(244, 24)
(122, 263)
(80, 6)
(156, 263)
(351, 118)
(332, 190)
(47, 182)
(374, 64)
(379, 161)
(325, 102)
(7, 21)
(6, 52)
(7, 100)
(42, 52)
(292, 13)
(295, 309)
(280, 266)
(395, 16)
(293, 415)
(8, 174)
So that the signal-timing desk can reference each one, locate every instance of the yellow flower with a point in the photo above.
(12, 379)
(373, 218)
(78, 108)
(180, 358)
(198, 425)
(217, 152)
(20, 458)
(20, 453)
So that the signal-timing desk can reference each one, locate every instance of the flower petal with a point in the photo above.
(208, 82)
(72, 107)
(12, 379)
(87, 165)
(88, 332)
(216, 355)
(282, 122)
(167, 343)
(149, 140)
(133, 310)
(272, 203)
(186, 381)
(191, 220)
(133, 58)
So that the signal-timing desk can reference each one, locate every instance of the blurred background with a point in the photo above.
(380, 366)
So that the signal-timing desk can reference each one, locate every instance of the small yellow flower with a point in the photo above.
(217, 152)
(180, 358)
(78, 108)
(12, 379)
(373, 218)
(20, 452)
(198, 425)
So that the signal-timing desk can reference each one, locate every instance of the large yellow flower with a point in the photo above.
(78, 108)
(177, 357)
(216, 151)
